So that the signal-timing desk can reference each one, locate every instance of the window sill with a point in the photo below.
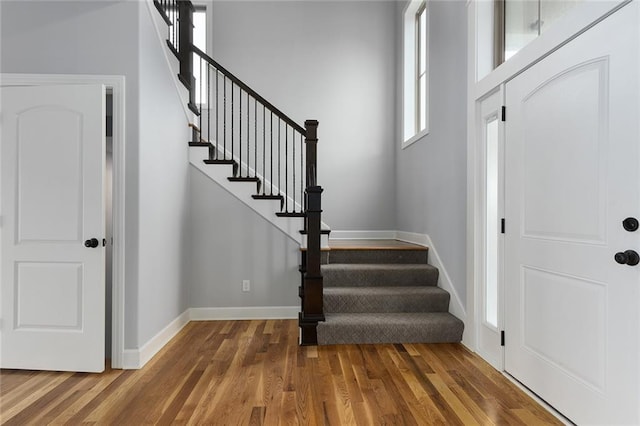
(415, 138)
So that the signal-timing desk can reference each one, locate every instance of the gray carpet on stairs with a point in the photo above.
(377, 256)
(416, 327)
(386, 299)
(355, 275)
(384, 296)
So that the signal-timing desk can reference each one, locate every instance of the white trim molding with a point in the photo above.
(136, 358)
(244, 313)
(117, 85)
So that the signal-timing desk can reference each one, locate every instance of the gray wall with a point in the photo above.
(163, 180)
(106, 37)
(334, 62)
(229, 243)
(431, 173)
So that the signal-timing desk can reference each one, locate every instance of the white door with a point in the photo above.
(53, 287)
(572, 159)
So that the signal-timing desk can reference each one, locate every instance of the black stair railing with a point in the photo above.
(265, 146)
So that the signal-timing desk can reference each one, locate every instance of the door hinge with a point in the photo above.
(503, 113)
(502, 225)
(502, 338)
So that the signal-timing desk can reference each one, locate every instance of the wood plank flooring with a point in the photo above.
(254, 373)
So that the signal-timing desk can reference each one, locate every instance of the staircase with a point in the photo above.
(383, 291)
(363, 293)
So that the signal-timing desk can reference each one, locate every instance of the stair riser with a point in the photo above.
(382, 303)
(378, 256)
(385, 336)
(438, 331)
(379, 277)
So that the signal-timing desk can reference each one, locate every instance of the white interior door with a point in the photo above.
(572, 160)
(53, 286)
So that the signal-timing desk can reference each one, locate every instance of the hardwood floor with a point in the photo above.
(254, 373)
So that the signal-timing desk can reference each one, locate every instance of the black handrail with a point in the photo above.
(178, 14)
(249, 90)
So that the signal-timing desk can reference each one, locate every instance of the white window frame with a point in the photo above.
(410, 132)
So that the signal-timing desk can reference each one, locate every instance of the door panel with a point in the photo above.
(571, 177)
(574, 210)
(41, 204)
(53, 289)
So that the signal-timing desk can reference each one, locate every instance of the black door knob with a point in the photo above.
(629, 257)
(630, 224)
(92, 243)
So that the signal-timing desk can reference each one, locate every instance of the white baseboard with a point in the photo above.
(244, 313)
(137, 358)
(362, 235)
(456, 307)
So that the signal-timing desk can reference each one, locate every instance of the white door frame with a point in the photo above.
(580, 19)
(117, 85)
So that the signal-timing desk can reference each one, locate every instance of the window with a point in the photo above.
(518, 22)
(421, 74)
(200, 41)
(416, 72)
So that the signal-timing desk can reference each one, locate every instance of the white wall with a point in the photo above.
(163, 181)
(431, 173)
(105, 37)
(229, 243)
(334, 62)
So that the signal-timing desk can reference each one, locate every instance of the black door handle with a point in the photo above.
(630, 224)
(629, 257)
(92, 243)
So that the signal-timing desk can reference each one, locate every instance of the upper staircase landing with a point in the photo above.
(375, 251)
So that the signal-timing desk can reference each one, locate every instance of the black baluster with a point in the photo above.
(286, 168)
(255, 137)
(224, 117)
(302, 174)
(248, 137)
(232, 134)
(264, 149)
(200, 106)
(240, 129)
(279, 156)
(271, 152)
(293, 164)
(217, 113)
(209, 107)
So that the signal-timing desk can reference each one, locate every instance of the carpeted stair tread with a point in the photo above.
(360, 275)
(357, 328)
(383, 255)
(386, 299)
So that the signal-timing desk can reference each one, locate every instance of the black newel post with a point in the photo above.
(185, 52)
(312, 306)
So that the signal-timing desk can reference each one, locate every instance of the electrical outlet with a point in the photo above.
(246, 286)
